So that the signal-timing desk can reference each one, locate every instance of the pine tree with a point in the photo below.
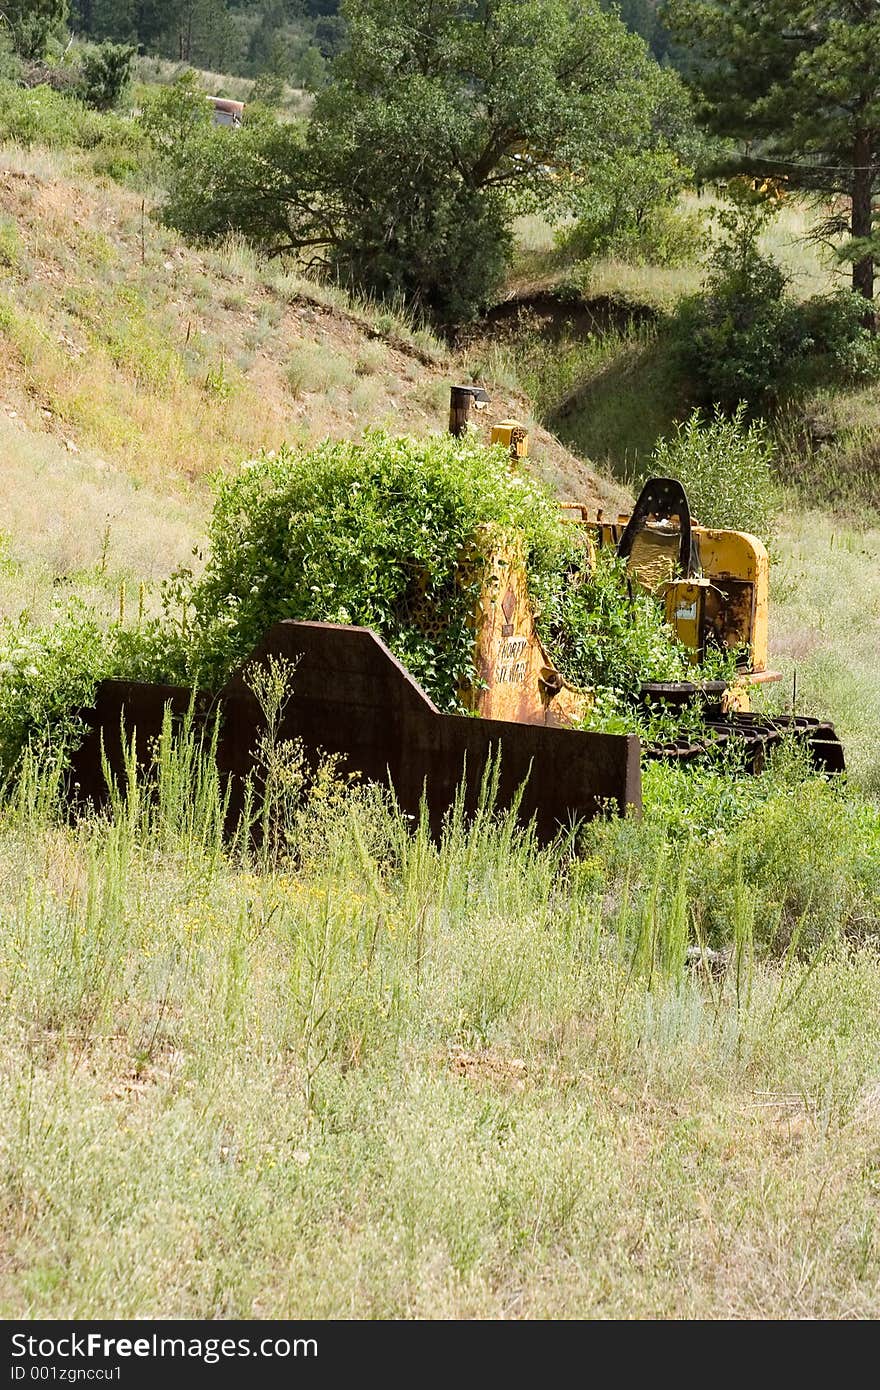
(798, 82)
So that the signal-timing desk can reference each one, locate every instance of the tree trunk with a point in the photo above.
(862, 222)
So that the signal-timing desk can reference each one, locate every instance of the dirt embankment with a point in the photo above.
(166, 362)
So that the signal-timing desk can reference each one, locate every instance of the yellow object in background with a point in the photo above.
(514, 436)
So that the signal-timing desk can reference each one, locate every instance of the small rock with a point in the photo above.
(70, 446)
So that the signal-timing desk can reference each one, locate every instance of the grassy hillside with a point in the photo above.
(375, 1076)
(169, 363)
(611, 395)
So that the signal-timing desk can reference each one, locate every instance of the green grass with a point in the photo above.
(386, 1078)
(786, 239)
(825, 597)
(372, 1076)
(610, 397)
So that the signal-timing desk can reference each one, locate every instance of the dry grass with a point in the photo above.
(786, 240)
(72, 523)
(294, 100)
(170, 363)
(825, 601)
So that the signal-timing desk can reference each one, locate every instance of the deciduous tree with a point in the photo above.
(442, 119)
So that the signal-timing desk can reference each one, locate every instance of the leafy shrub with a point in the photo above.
(666, 235)
(374, 534)
(726, 467)
(602, 636)
(33, 24)
(363, 533)
(268, 91)
(742, 338)
(41, 116)
(796, 854)
(832, 327)
(10, 62)
(174, 116)
(48, 674)
(736, 339)
(106, 74)
(805, 853)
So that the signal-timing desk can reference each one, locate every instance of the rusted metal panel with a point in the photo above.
(124, 711)
(351, 696)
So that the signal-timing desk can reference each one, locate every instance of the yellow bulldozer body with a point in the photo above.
(725, 605)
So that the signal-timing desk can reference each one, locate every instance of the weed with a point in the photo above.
(313, 367)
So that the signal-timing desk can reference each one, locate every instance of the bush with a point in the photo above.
(798, 854)
(41, 116)
(665, 235)
(106, 74)
(49, 674)
(832, 326)
(743, 338)
(726, 467)
(34, 24)
(374, 534)
(359, 533)
(174, 116)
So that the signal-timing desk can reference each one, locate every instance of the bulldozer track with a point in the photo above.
(753, 737)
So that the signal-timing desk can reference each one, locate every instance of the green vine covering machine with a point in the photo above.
(351, 696)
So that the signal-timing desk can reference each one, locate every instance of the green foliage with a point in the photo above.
(175, 116)
(223, 180)
(106, 74)
(602, 636)
(627, 204)
(726, 466)
(268, 91)
(743, 338)
(798, 85)
(366, 533)
(41, 116)
(10, 62)
(834, 330)
(32, 24)
(435, 129)
(735, 341)
(662, 234)
(49, 674)
(799, 847)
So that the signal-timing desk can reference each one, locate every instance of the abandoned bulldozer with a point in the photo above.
(713, 586)
(514, 715)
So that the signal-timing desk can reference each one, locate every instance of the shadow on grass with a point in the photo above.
(616, 416)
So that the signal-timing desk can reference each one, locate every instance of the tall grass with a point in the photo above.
(379, 1074)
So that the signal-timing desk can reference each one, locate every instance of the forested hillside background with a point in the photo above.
(292, 39)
